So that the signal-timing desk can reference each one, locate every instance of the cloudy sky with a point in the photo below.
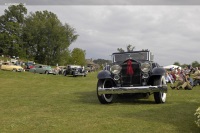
(172, 33)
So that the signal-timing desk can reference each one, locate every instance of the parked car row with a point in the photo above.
(73, 70)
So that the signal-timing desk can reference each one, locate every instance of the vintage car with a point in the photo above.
(11, 67)
(132, 73)
(75, 70)
(29, 65)
(59, 70)
(62, 69)
(42, 69)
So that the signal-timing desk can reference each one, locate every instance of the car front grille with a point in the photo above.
(133, 79)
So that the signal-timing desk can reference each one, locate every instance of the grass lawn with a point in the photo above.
(36, 103)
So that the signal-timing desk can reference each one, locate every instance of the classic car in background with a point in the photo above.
(132, 73)
(75, 70)
(10, 67)
(42, 69)
(59, 70)
(29, 65)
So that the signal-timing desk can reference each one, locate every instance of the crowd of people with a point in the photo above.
(186, 78)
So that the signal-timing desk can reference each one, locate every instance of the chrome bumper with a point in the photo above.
(20, 70)
(138, 89)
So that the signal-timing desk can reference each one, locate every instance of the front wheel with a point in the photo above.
(46, 72)
(105, 98)
(65, 73)
(160, 97)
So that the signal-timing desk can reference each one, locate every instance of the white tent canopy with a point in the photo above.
(172, 67)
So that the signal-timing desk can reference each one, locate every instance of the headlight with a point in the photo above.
(115, 69)
(145, 67)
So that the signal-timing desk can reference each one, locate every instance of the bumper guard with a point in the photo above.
(138, 89)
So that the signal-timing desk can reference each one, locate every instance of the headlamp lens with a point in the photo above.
(115, 69)
(145, 67)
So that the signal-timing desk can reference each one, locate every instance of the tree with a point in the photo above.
(11, 24)
(120, 50)
(177, 63)
(129, 48)
(47, 39)
(102, 61)
(78, 56)
(39, 36)
(195, 64)
(70, 33)
(184, 65)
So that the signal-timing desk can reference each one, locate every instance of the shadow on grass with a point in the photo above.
(71, 76)
(91, 98)
(134, 99)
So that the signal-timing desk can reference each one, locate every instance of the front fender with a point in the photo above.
(157, 73)
(104, 74)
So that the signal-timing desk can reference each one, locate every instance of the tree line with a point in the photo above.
(193, 64)
(38, 36)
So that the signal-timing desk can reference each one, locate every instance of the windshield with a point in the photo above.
(120, 57)
(49, 67)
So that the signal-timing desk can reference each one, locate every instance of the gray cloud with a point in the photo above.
(103, 2)
(170, 32)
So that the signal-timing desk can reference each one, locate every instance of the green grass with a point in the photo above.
(35, 103)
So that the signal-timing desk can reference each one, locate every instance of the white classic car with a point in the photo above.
(10, 67)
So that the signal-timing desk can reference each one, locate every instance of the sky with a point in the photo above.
(170, 32)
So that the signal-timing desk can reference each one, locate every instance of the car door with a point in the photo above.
(35, 69)
(40, 69)
(7, 66)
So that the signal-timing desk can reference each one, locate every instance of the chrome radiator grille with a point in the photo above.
(131, 80)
